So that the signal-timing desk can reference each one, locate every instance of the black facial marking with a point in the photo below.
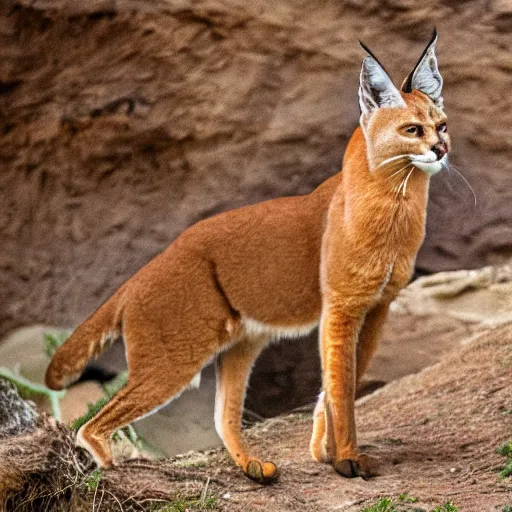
(371, 54)
(408, 84)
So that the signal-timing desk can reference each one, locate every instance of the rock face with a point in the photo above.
(16, 415)
(124, 122)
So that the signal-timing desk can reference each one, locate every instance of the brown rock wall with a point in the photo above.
(121, 123)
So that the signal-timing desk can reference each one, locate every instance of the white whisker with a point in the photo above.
(399, 188)
(399, 171)
(465, 180)
(392, 159)
(407, 179)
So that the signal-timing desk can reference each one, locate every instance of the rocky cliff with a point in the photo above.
(124, 121)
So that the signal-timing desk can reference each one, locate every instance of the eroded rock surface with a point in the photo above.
(481, 296)
(17, 416)
(121, 123)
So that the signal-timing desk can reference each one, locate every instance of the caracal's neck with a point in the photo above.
(374, 200)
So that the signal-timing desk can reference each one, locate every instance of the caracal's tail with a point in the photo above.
(88, 340)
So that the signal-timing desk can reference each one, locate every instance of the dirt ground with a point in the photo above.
(435, 435)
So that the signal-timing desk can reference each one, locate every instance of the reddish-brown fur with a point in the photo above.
(341, 253)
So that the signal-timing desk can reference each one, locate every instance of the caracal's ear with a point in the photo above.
(376, 90)
(425, 76)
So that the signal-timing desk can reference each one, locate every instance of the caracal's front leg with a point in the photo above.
(318, 445)
(339, 331)
(321, 447)
(233, 368)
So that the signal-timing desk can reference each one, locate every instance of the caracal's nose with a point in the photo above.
(440, 149)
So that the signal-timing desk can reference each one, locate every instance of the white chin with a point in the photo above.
(431, 167)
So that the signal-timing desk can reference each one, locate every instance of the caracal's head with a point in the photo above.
(406, 128)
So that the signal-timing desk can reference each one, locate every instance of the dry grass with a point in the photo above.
(44, 471)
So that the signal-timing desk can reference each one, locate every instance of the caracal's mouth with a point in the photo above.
(429, 162)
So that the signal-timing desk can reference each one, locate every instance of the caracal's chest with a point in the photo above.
(398, 274)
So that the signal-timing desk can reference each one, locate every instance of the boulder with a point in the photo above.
(17, 416)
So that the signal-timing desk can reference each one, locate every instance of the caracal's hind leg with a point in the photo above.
(165, 349)
(147, 390)
(137, 399)
(233, 368)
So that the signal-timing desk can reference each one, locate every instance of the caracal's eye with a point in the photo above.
(414, 130)
(442, 128)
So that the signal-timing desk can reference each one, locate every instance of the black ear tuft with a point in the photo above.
(407, 87)
(371, 54)
(376, 90)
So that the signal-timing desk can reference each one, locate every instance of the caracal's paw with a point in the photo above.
(261, 472)
(98, 448)
(356, 465)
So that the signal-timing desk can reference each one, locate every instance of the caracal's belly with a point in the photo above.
(274, 285)
(256, 328)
